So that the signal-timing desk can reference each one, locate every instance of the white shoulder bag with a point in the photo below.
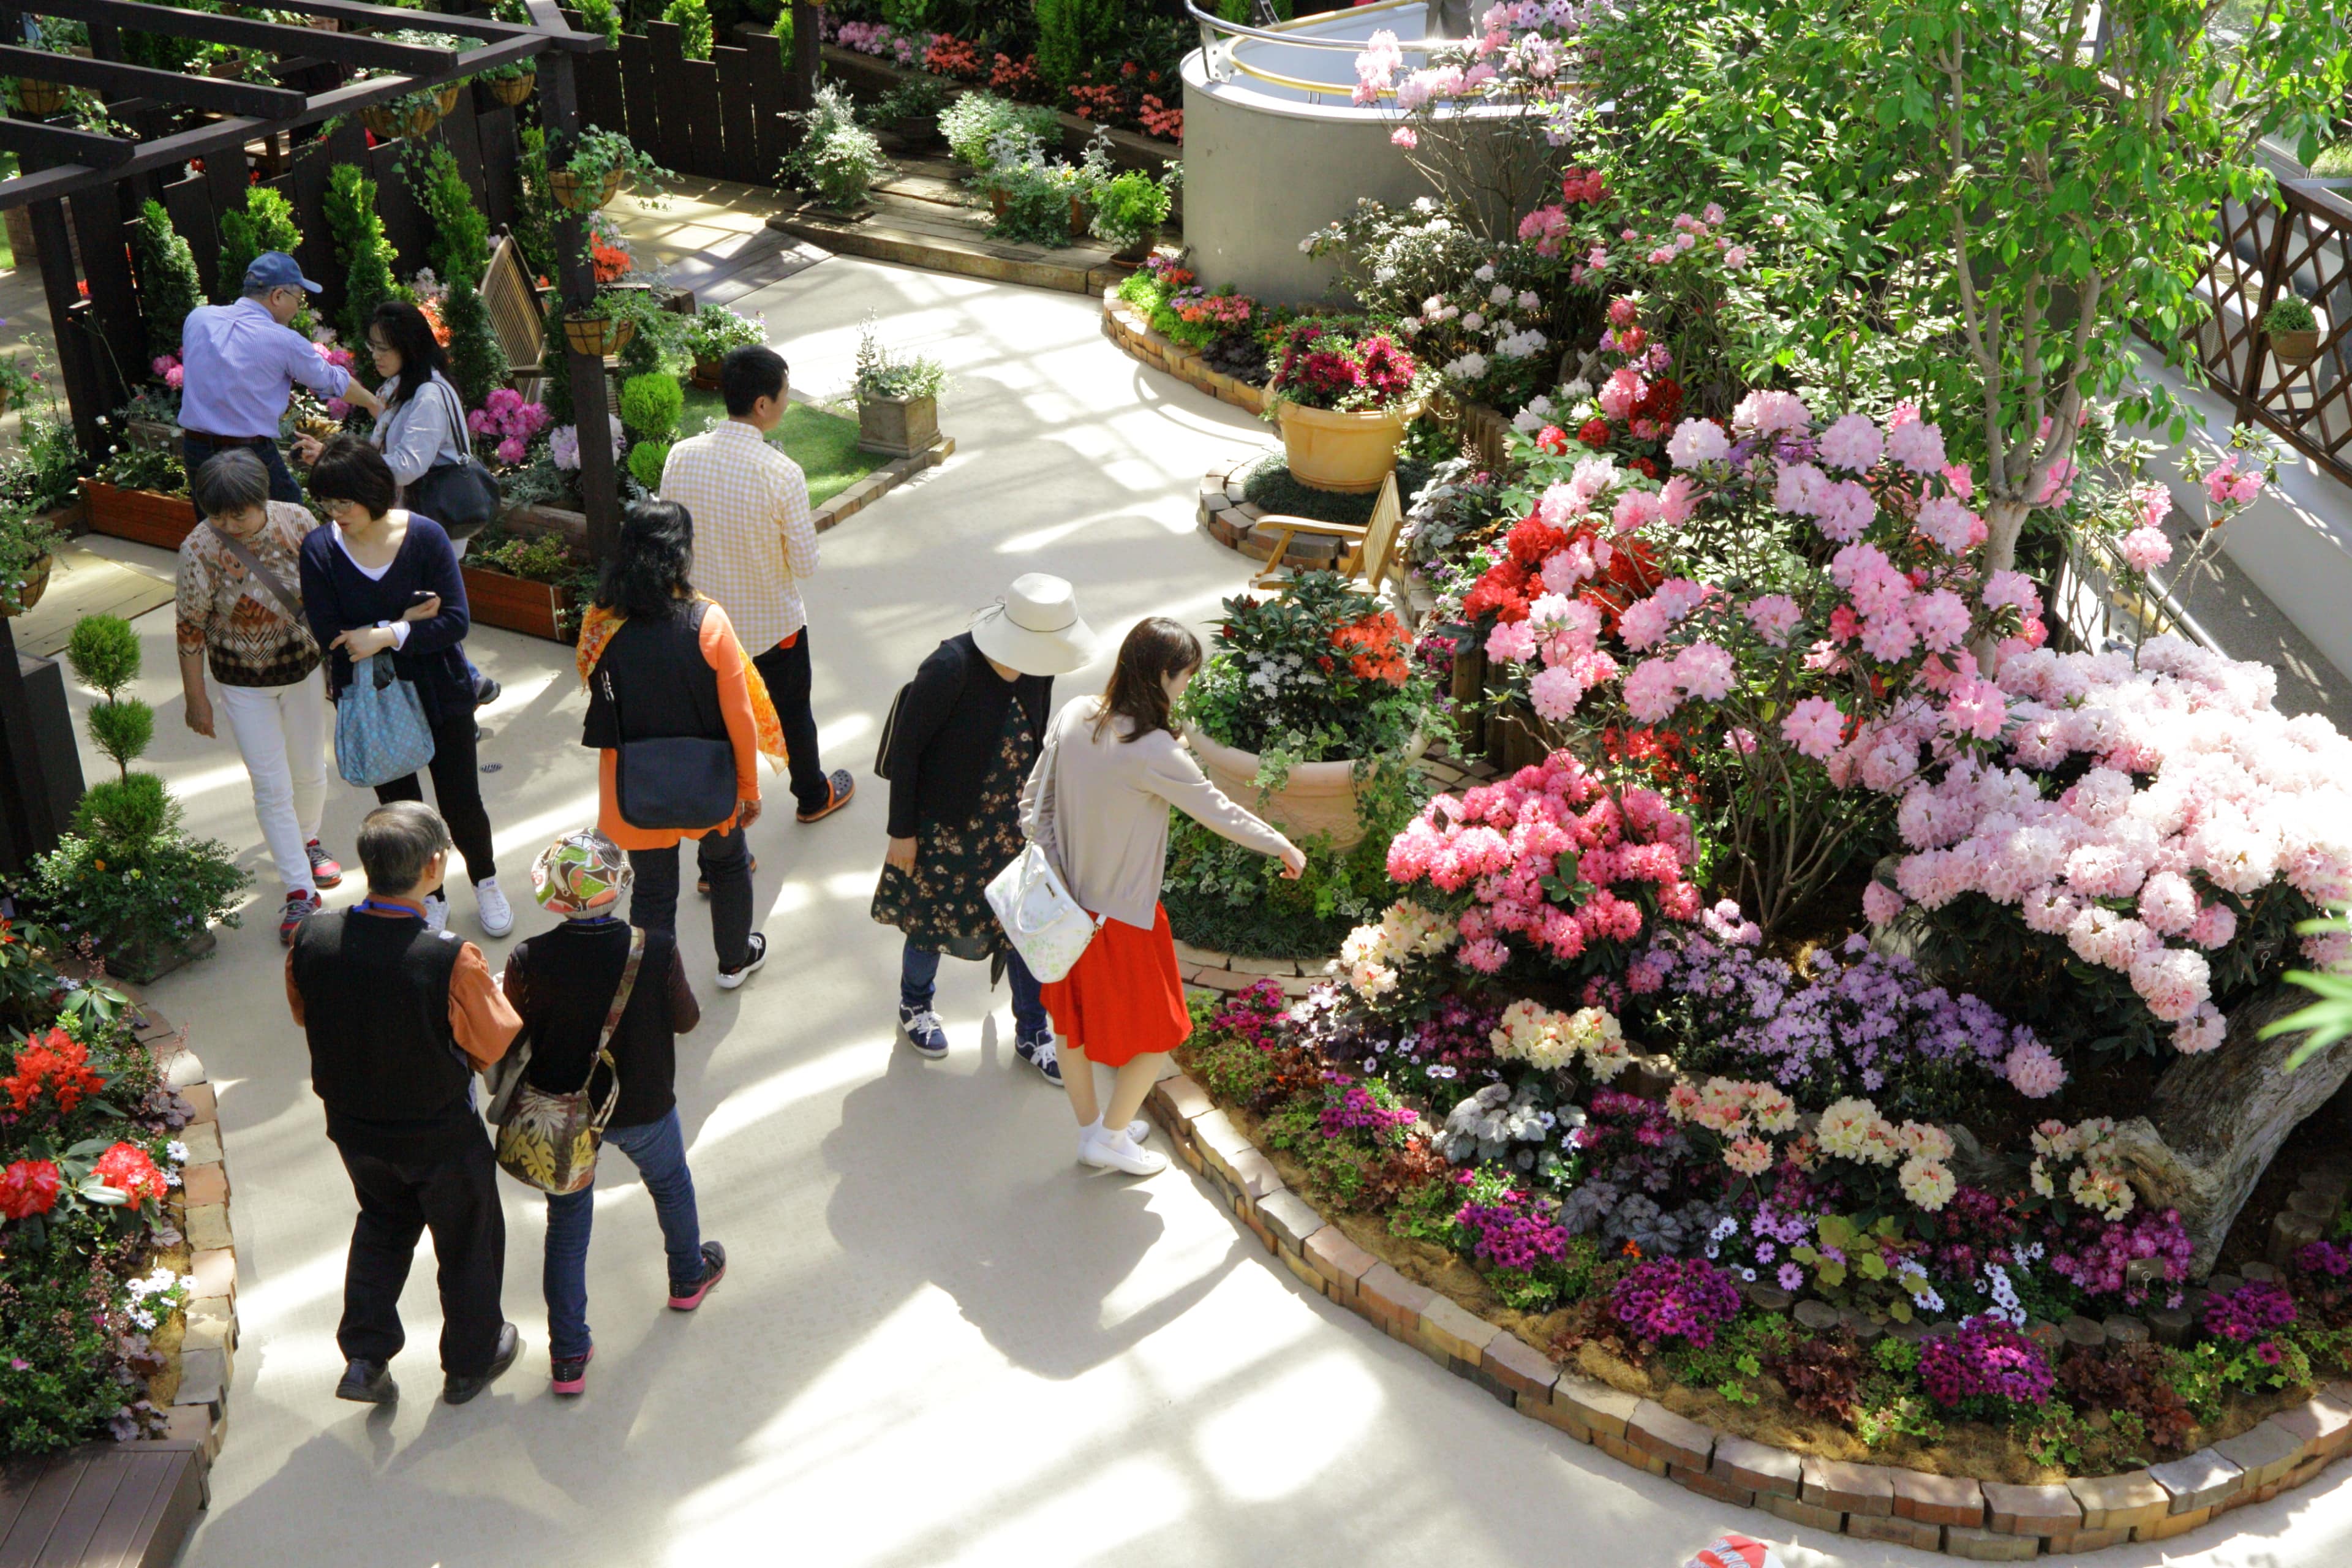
(1047, 927)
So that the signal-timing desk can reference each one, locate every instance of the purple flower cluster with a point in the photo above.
(2331, 1258)
(1851, 1022)
(1515, 1232)
(1676, 1298)
(2100, 1264)
(1984, 1358)
(1353, 1107)
(2250, 1312)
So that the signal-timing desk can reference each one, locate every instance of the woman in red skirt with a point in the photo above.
(1098, 800)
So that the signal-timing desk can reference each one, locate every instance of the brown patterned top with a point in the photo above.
(247, 636)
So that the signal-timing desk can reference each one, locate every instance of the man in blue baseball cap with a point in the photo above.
(239, 364)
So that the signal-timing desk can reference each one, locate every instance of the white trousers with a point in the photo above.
(281, 732)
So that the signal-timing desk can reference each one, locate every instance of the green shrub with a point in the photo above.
(104, 653)
(1129, 207)
(783, 31)
(534, 215)
(973, 123)
(837, 158)
(361, 248)
(602, 16)
(476, 362)
(646, 461)
(1072, 35)
(267, 223)
(650, 407)
(126, 811)
(2290, 313)
(461, 234)
(169, 286)
(693, 21)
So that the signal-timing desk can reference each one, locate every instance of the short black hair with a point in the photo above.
(651, 565)
(230, 482)
(748, 374)
(396, 840)
(351, 469)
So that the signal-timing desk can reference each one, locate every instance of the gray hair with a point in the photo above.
(230, 482)
(395, 842)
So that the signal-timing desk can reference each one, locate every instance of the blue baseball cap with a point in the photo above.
(276, 269)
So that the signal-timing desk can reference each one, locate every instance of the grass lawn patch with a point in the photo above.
(825, 444)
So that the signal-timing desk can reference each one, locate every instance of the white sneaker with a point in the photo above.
(1118, 1151)
(437, 911)
(1137, 1130)
(731, 978)
(490, 905)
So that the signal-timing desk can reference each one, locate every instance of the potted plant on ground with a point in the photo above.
(714, 329)
(1036, 201)
(898, 400)
(127, 878)
(837, 158)
(601, 161)
(1310, 705)
(2293, 329)
(141, 494)
(1129, 208)
(1343, 403)
(25, 543)
(910, 113)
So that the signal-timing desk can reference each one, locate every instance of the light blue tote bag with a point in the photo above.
(380, 728)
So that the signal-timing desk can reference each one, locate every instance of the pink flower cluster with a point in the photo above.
(508, 421)
(168, 370)
(1498, 845)
(2199, 795)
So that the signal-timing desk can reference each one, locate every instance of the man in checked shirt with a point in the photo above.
(753, 542)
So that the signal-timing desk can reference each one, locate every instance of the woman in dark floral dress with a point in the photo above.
(968, 727)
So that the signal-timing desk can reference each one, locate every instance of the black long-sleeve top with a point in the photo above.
(337, 597)
(947, 734)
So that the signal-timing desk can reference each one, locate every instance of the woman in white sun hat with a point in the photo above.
(965, 733)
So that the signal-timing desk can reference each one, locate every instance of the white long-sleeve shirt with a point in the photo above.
(753, 537)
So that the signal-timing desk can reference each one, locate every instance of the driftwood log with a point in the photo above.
(2219, 1119)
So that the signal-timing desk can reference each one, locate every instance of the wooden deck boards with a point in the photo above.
(101, 1506)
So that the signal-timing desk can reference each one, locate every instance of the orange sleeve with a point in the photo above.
(484, 1022)
(293, 991)
(725, 657)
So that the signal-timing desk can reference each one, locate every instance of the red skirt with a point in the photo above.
(1124, 998)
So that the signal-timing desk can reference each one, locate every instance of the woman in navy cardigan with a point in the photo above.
(380, 581)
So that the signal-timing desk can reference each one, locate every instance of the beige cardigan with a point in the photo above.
(1107, 835)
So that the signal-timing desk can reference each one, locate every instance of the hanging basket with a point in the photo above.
(447, 97)
(389, 121)
(37, 582)
(40, 98)
(597, 336)
(2297, 347)
(511, 91)
(569, 192)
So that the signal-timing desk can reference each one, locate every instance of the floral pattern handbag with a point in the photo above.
(550, 1141)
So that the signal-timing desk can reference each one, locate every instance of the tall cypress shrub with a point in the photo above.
(1072, 35)
(169, 286)
(363, 251)
(267, 223)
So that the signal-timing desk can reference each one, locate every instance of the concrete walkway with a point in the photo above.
(940, 1342)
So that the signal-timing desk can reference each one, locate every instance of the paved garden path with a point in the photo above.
(940, 1341)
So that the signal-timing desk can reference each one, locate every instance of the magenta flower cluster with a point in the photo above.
(1683, 1298)
(2251, 1312)
(1353, 1107)
(2331, 1258)
(1253, 1014)
(2099, 1263)
(1984, 1358)
(1516, 1231)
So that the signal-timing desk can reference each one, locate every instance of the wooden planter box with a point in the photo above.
(143, 517)
(897, 426)
(538, 522)
(143, 967)
(516, 603)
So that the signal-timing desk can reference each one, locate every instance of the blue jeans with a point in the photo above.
(658, 1149)
(919, 973)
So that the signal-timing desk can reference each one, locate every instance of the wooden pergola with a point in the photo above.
(185, 118)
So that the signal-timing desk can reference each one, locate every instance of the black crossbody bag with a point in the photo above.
(672, 781)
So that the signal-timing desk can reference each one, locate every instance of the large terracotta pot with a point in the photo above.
(1320, 798)
(1350, 453)
(2295, 346)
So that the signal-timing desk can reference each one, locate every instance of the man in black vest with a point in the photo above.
(399, 1017)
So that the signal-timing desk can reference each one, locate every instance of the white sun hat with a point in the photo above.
(1035, 628)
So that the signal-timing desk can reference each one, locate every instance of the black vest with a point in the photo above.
(571, 974)
(375, 1005)
(661, 684)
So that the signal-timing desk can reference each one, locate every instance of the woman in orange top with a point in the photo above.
(661, 662)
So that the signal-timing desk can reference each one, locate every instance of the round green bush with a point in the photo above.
(104, 652)
(126, 811)
(650, 407)
(646, 460)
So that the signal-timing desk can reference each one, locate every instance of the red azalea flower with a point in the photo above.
(127, 1169)
(1594, 433)
(1649, 470)
(56, 1063)
(28, 1187)
(1532, 542)
(1553, 440)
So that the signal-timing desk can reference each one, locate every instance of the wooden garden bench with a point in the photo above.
(515, 316)
(1366, 549)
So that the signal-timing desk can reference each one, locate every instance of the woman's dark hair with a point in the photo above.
(1156, 650)
(351, 469)
(647, 573)
(230, 482)
(405, 330)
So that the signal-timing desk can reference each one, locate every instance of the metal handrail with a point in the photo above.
(1218, 64)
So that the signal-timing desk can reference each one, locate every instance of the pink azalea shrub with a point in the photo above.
(509, 423)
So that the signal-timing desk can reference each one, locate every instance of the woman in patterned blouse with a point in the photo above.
(264, 661)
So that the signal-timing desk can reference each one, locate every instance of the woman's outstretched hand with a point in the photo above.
(1293, 862)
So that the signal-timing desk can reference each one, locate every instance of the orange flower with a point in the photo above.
(56, 1063)
(1632, 1252)
(1381, 640)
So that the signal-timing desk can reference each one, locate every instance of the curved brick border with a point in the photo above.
(1123, 325)
(199, 1413)
(1986, 1520)
(1226, 514)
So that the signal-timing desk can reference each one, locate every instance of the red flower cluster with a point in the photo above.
(58, 1064)
(1594, 433)
(1321, 368)
(610, 262)
(1014, 75)
(1553, 440)
(952, 56)
(28, 1187)
(1585, 185)
(127, 1169)
(1513, 584)
(1378, 642)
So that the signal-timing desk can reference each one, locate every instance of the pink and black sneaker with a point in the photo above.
(324, 872)
(687, 1298)
(568, 1374)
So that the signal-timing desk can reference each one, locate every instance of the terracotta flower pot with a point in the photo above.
(597, 336)
(998, 201)
(39, 98)
(1350, 453)
(2298, 346)
(37, 582)
(706, 374)
(1321, 797)
(1141, 251)
(1077, 217)
(511, 91)
(572, 192)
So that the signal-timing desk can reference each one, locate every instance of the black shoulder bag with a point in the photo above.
(674, 782)
(462, 496)
(891, 721)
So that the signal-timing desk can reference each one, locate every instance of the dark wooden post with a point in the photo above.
(27, 814)
(70, 323)
(600, 495)
(808, 40)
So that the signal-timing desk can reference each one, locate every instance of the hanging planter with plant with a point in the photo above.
(2292, 330)
(592, 332)
(39, 99)
(412, 117)
(601, 161)
(511, 87)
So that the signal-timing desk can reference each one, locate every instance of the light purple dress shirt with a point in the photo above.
(239, 369)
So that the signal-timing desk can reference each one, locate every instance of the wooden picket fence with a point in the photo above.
(717, 119)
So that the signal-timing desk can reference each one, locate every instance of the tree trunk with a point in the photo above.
(2219, 1118)
(2004, 521)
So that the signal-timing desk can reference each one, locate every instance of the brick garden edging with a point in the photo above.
(1123, 325)
(1226, 514)
(881, 482)
(1985, 1520)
